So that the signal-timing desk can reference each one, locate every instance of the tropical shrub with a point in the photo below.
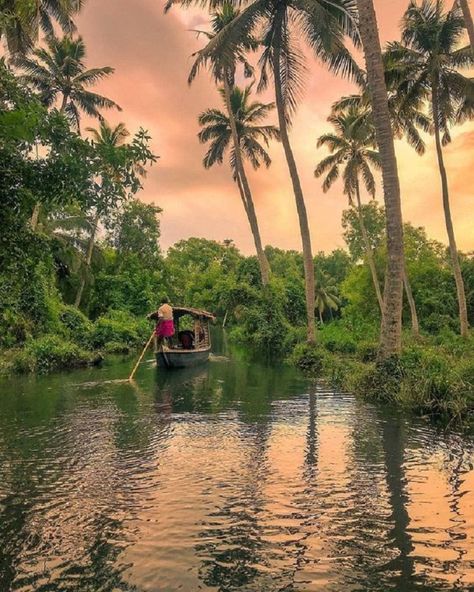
(49, 353)
(120, 327)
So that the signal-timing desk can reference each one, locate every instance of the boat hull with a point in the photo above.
(181, 359)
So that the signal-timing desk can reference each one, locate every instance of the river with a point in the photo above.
(235, 476)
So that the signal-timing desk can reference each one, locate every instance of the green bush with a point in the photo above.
(308, 357)
(116, 347)
(78, 326)
(119, 327)
(380, 381)
(465, 371)
(48, 353)
(435, 322)
(343, 344)
(367, 351)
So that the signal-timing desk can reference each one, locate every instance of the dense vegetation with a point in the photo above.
(80, 259)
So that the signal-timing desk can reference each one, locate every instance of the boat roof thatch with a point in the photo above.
(179, 311)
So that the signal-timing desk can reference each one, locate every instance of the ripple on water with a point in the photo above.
(229, 479)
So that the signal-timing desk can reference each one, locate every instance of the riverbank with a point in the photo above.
(434, 375)
(76, 342)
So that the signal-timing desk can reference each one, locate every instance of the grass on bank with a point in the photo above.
(434, 375)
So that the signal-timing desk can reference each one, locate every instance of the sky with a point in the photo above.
(151, 53)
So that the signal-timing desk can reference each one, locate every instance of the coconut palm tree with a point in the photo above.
(323, 25)
(223, 69)
(216, 129)
(466, 11)
(58, 72)
(352, 147)
(106, 139)
(405, 122)
(326, 295)
(430, 51)
(390, 335)
(21, 22)
(408, 116)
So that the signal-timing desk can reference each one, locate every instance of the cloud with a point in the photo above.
(151, 54)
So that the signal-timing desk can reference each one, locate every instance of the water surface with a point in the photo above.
(234, 476)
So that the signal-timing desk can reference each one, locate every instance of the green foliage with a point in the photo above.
(263, 325)
(134, 230)
(374, 219)
(29, 300)
(308, 357)
(119, 327)
(49, 353)
(77, 326)
(367, 351)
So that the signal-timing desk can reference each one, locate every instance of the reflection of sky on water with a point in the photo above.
(231, 476)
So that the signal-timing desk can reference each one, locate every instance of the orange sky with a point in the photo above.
(151, 55)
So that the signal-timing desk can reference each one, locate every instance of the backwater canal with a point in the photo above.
(233, 476)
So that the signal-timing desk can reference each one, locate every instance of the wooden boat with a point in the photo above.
(190, 346)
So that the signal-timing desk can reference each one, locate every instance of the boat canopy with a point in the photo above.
(180, 311)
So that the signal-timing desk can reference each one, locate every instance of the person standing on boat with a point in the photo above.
(165, 324)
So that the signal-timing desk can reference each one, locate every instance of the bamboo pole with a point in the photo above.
(130, 378)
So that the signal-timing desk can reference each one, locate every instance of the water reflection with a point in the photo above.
(232, 476)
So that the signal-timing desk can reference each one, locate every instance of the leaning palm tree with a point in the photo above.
(323, 24)
(21, 22)
(216, 129)
(58, 72)
(106, 139)
(352, 147)
(430, 52)
(390, 335)
(223, 69)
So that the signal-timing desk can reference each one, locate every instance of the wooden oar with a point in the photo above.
(130, 378)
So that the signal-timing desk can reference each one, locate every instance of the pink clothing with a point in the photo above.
(165, 328)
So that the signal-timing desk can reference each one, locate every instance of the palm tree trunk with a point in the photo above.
(466, 11)
(245, 192)
(90, 250)
(252, 218)
(35, 215)
(299, 198)
(368, 249)
(464, 325)
(37, 207)
(391, 327)
(415, 325)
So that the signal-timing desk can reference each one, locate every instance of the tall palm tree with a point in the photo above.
(21, 22)
(405, 122)
(58, 72)
(390, 335)
(216, 129)
(223, 69)
(429, 50)
(106, 139)
(352, 148)
(466, 11)
(323, 24)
